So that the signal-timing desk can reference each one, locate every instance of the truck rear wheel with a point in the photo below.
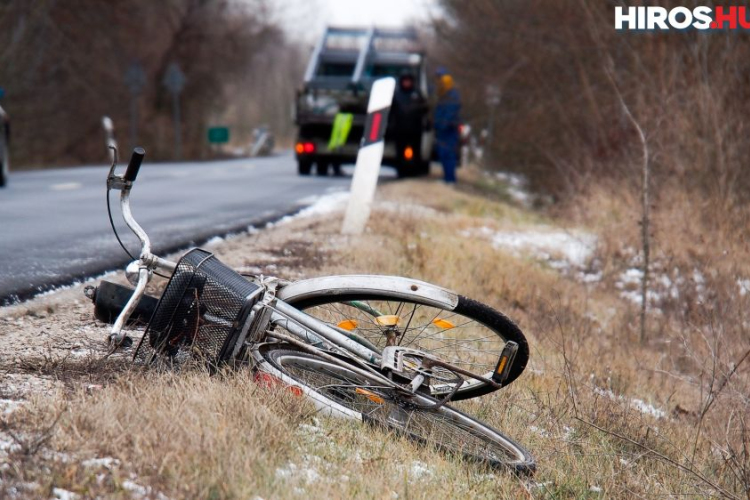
(423, 168)
(3, 171)
(304, 167)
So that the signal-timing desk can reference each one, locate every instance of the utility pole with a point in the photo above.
(135, 79)
(174, 81)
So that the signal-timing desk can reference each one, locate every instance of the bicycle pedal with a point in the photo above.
(505, 363)
(393, 358)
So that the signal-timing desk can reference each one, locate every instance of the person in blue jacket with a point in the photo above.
(447, 121)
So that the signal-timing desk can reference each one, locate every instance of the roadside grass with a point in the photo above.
(605, 415)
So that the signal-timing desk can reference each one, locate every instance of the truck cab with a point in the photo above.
(331, 105)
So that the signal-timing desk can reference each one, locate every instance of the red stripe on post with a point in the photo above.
(375, 127)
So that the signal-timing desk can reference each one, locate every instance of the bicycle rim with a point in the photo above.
(471, 336)
(445, 428)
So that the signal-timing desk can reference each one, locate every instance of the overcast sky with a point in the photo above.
(306, 19)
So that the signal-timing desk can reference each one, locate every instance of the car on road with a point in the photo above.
(4, 145)
(331, 106)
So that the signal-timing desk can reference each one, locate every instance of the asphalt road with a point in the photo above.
(54, 227)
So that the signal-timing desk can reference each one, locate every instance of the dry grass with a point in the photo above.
(195, 436)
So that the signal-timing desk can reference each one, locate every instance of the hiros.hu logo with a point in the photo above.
(681, 18)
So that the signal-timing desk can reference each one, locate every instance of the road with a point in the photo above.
(54, 227)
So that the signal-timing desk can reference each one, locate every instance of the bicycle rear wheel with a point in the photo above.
(443, 428)
(471, 335)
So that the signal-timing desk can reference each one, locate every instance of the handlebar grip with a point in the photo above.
(135, 164)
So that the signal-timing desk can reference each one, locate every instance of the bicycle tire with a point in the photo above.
(445, 428)
(483, 315)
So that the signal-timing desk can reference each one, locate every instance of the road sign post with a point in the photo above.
(135, 79)
(174, 81)
(369, 157)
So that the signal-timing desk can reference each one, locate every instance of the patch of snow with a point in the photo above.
(8, 444)
(420, 469)
(106, 462)
(517, 187)
(139, 491)
(8, 406)
(319, 205)
(62, 494)
(574, 248)
(136, 488)
(307, 474)
(744, 285)
(638, 404)
(595, 488)
(216, 240)
(312, 428)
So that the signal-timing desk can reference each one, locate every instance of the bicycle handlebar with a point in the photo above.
(135, 164)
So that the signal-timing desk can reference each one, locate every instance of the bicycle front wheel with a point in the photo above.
(467, 334)
(443, 428)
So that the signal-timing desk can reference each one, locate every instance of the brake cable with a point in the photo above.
(112, 222)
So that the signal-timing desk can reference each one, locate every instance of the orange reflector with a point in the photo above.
(408, 153)
(501, 365)
(390, 320)
(348, 324)
(370, 395)
(443, 323)
(271, 382)
(299, 148)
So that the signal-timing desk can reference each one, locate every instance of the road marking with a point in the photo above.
(66, 186)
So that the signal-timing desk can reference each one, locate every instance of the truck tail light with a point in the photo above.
(309, 147)
(408, 153)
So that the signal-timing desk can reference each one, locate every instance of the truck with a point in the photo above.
(331, 105)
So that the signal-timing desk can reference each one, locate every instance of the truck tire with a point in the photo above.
(304, 167)
(3, 171)
(423, 168)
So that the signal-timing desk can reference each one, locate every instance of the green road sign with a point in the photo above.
(218, 135)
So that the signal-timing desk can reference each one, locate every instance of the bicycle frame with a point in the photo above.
(304, 331)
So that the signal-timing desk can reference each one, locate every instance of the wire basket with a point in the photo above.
(201, 314)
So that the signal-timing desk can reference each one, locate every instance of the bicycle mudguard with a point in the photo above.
(308, 291)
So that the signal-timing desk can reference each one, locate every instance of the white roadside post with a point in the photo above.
(369, 157)
(109, 133)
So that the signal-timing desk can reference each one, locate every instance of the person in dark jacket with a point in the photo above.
(447, 120)
(407, 122)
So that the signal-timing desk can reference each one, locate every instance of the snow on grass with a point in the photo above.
(418, 470)
(318, 205)
(561, 249)
(638, 404)
(8, 406)
(138, 491)
(517, 187)
(106, 462)
(662, 285)
(62, 494)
